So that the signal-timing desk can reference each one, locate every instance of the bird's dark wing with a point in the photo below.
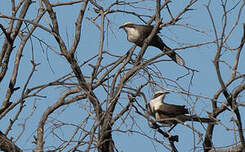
(157, 42)
(170, 109)
(146, 30)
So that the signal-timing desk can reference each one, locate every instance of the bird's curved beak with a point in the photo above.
(121, 27)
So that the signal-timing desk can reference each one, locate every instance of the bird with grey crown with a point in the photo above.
(138, 33)
(169, 113)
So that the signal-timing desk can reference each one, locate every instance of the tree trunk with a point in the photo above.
(106, 143)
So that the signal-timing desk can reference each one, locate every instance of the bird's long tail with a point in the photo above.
(173, 55)
(176, 58)
(199, 119)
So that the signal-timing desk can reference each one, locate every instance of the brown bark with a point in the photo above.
(107, 143)
(7, 145)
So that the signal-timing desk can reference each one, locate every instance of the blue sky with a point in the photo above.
(204, 83)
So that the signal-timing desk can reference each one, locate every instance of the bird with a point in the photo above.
(171, 114)
(137, 33)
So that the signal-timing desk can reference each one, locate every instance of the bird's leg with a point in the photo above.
(172, 127)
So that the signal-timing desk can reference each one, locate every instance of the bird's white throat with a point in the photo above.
(156, 102)
(132, 34)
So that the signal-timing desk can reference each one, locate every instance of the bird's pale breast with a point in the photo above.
(132, 34)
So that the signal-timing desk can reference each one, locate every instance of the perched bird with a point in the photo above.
(169, 113)
(138, 33)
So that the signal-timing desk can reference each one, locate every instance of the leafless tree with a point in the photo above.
(107, 92)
